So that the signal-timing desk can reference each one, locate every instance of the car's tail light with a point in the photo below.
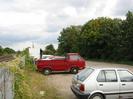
(82, 87)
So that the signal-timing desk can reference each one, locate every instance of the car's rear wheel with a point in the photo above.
(46, 71)
(96, 96)
(74, 70)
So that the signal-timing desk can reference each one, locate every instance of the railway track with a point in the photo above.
(6, 58)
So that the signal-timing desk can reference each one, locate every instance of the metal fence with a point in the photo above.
(6, 84)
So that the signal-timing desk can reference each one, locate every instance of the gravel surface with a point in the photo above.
(62, 81)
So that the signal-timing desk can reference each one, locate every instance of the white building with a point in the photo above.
(34, 51)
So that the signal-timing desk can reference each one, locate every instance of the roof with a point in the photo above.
(108, 68)
(72, 53)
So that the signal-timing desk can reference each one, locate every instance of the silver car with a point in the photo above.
(103, 83)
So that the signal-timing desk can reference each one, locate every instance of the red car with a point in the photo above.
(72, 62)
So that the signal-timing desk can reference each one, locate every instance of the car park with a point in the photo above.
(103, 83)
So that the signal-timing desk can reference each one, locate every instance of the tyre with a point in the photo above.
(96, 96)
(74, 70)
(46, 71)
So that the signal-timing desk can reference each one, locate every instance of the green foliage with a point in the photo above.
(25, 52)
(5, 51)
(49, 50)
(127, 32)
(27, 82)
(8, 51)
(1, 50)
(101, 38)
(27, 61)
(69, 39)
(21, 80)
(22, 89)
(21, 86)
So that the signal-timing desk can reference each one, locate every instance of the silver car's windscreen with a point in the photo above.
(84, 74)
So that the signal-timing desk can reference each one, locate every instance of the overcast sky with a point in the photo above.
(40, 21)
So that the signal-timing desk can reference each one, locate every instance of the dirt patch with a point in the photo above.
(62, 81)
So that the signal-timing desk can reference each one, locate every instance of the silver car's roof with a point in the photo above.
(99, 68)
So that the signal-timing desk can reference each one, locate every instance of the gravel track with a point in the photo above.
(62, 81)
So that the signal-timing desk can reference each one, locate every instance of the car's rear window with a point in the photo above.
(84, 74)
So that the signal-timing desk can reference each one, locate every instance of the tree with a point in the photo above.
(68, 40)
(100, 37)
(4, 51)
(127, 43)
(1, 50)
(8, 51)
(49, 49)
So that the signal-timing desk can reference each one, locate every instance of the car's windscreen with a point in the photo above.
(84, 74)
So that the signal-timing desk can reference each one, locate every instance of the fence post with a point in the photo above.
(6, 84)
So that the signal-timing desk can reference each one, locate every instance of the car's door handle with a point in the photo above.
(123, 84)
(100, 84)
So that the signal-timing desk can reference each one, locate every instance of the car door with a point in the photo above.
(126, 84)
(108, 84)
(60, 65)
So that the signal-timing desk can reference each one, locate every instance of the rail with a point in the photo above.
(6, 58)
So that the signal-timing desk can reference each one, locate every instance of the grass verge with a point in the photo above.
(29, 84)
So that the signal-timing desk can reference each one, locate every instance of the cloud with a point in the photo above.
(31, 33)
(40, 21)
(122, 7)
(15, 18)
